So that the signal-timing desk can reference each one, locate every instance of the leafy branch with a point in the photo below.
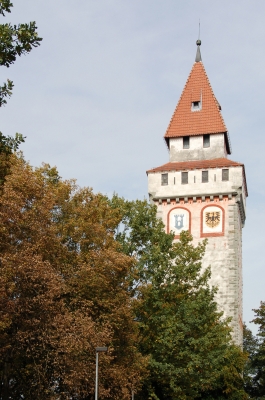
(17, 40)
(5, 92)
(8, 144)
(5, 6)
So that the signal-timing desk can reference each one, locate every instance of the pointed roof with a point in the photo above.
(187, 121)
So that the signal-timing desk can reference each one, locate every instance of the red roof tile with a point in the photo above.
(185, 122)
(202, 164)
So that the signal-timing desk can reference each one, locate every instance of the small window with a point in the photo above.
(186, 142)
(204, 176)
(164, 179)
(206, 140)
(196, 106)
(225, 174)
(184, 178)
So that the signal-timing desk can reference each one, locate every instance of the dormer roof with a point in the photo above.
(198, 111)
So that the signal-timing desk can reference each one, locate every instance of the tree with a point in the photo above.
(14, 41)
(250, 346)
(63, 291)
(142, 236)
(255, 346)
(259, 359)
(191, 355)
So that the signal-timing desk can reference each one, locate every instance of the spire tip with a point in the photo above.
(198, 57)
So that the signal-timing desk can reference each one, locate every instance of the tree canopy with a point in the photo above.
(254, 372)
(15, 40)
(79, 270)
(63, 291)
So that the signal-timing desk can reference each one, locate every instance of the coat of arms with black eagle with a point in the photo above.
(212, 218)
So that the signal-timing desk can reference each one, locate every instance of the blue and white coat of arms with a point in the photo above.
(179, 223)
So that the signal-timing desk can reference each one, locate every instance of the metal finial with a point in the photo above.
(198, 42)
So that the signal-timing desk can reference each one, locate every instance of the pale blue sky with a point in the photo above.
(96, 98)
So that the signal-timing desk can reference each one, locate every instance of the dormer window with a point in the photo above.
(186, 142)
(196, 106)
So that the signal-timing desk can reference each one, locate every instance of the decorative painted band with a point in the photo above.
(193, 199)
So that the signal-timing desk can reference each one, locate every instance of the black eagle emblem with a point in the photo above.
(213, 219)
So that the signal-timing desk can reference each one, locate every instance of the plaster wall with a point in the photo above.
(194, 187)
(223, 254)
(196, 150)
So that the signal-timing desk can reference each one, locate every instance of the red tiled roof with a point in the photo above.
(201, 164)
(185, 122)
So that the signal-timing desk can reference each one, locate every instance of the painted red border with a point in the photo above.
(214, 234)
(182, 208)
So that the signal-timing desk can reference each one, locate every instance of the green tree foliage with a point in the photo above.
(191, 355)
(142, 236)
(5, 6)
(8, 145)
(255, 347)
(259, 361)
(250, 346)
(15, 41)
(63, 291)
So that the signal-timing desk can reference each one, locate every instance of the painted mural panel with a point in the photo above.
(179, 220)
(212, 219)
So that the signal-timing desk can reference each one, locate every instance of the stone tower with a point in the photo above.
(203, 191)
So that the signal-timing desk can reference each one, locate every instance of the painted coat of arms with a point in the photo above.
(179, 221)
(212, 219)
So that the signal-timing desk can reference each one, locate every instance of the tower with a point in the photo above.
(203, 191)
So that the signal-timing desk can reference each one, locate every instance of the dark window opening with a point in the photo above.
(196, 106)
(186, 142)
(184, 178)
(225, 174)
(204, 176)
(164, 179)
(206, 140)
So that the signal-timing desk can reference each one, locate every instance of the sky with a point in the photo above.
(96, 97)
